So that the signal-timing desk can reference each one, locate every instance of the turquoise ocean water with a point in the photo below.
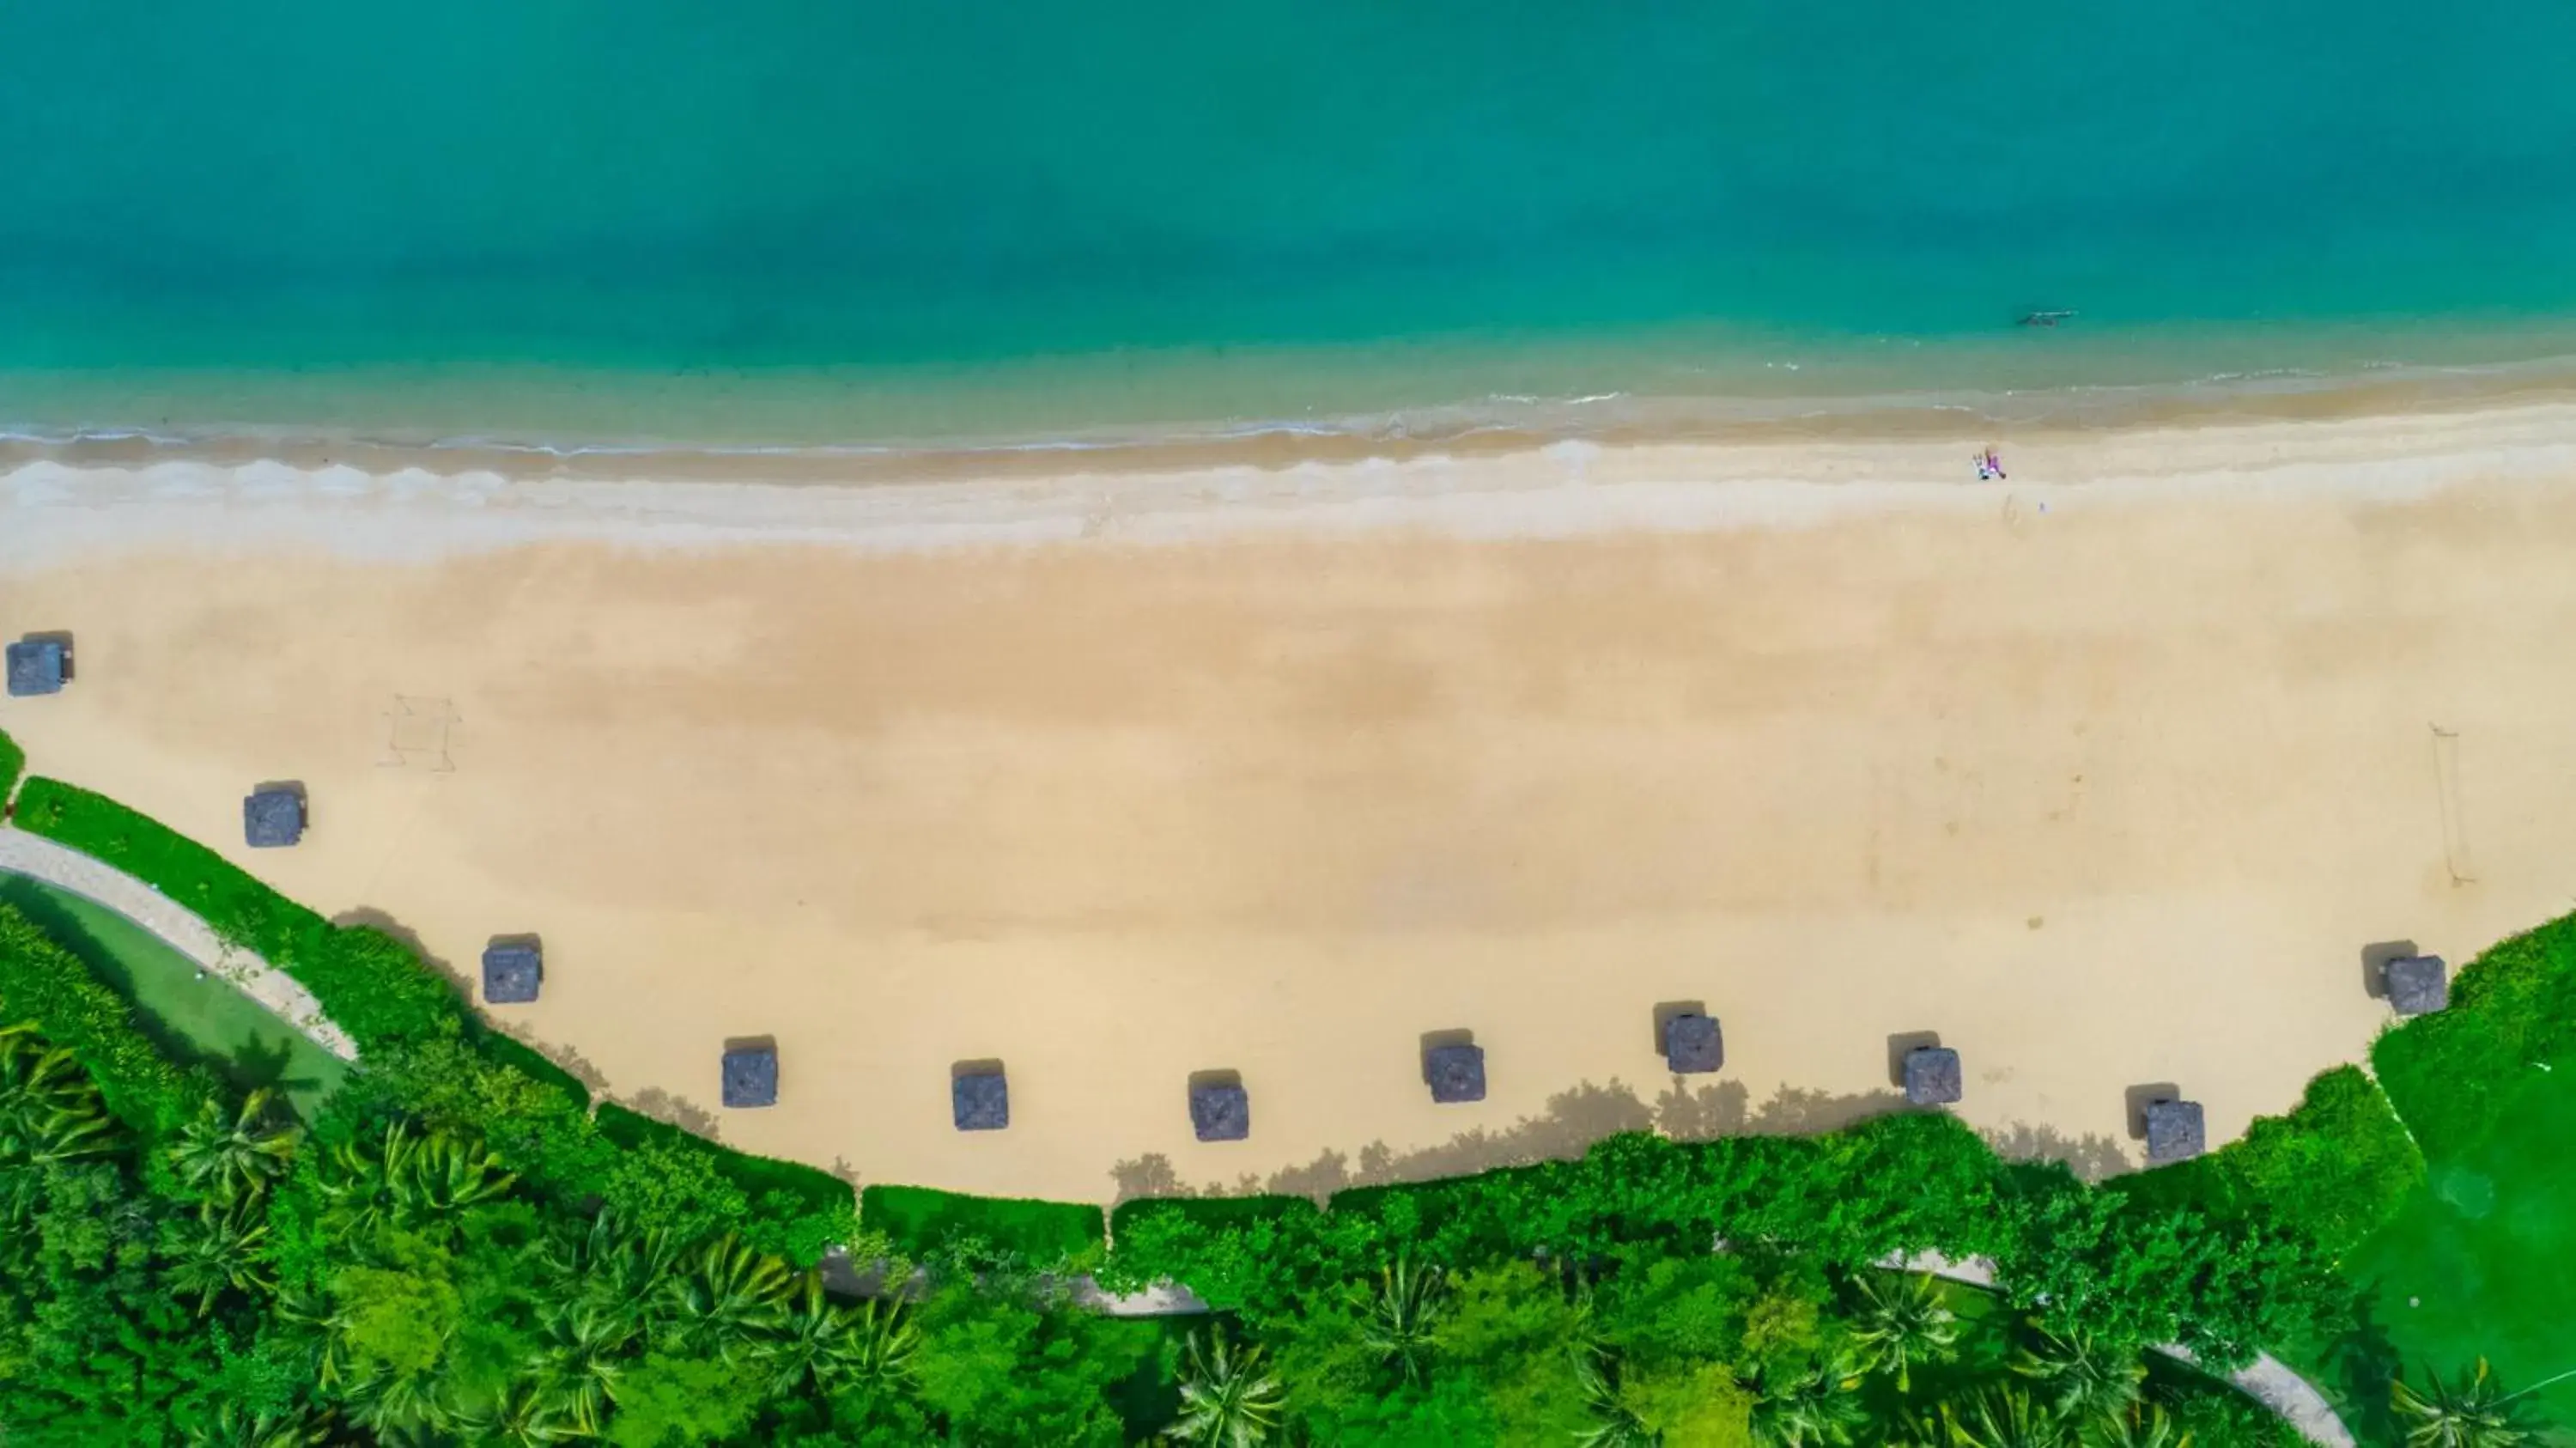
(803, 221)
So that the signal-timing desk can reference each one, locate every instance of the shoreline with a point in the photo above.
(1493, 428)
(1563, 490)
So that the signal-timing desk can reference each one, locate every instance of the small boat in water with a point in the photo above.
(2044, 319)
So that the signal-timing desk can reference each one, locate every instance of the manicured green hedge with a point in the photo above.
(43, 982)
(13, 762)
(367, 982)
(1207, 1213)
(920, 1222)
(521, 1057)
(2133, 1271)
(812, 1187)
(2333, 1169)
(2512, 1009)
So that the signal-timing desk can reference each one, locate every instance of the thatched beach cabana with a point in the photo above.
(751, 1076)
(273, 818)
(1932, 1076)
(1693, 1043)
(980, 1100)
(38, 666)
(2175, 1131)
(1455, 1072)
(512, 971)
(1220, 1110)
(2416, 984)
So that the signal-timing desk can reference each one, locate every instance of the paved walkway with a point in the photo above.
(39, 858)
(2267, 1380)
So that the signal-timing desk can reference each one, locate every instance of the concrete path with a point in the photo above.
(38, 858)
(2267, 1380)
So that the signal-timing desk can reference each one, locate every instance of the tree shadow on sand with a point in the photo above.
(2089, 1156)
(1571, 1122)
(672, 1110)
(367, 918)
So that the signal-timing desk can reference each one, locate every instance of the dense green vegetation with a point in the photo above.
(13, 762)
(457, 1247)
(429, 1055)
(2479, 1261)
(920, 1222)
(191, 1015)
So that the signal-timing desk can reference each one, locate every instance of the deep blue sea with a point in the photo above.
(859, 220)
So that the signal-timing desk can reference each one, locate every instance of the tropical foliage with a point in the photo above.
(460, 1249)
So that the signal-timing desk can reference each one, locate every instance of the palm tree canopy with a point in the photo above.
(1227, 1401)
(2474, 1412)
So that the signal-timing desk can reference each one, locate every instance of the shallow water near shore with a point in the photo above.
(836, 223)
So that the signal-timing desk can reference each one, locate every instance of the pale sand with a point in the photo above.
(1117, 779)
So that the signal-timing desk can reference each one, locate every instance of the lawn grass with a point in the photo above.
(192, 1017)
(2479, 1261)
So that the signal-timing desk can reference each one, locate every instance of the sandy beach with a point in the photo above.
(2108, 773)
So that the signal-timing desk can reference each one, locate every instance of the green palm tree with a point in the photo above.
(2006, 1418)
(2077, 1376)
(1611, 1422)
(361, 1183)
(235, 1427)
(1902, 1322)
(403, 1179)
(395, 1405)
(625, 1274)
(2475, 1412)
(825, 1344)
(890, 1341)
(206, 1254)
(526, 1415)
(322, 1327)
(2142, 1426)
(584, 1352)
(230, 1156)
(1227, 1401)
(735, 1298)
(1403, 1316)
(1813, 1408)
(50, 1109)
(450, 1173)
(71, 1131)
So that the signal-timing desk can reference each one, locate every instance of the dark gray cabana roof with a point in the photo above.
(751, 1076)
(1693, 1043)
(512, 971)
(2416, 984)
(1455, 1072)
(2175, 1131)
(980, 1101)
(1220, 1111)
(1932, 1076)
(273, 819)
(37, 666)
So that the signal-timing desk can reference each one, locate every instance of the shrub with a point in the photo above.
(43, 982)
(13, 762)
(1226, 1248)
(2334, 1168)
(791, 1208)
(527, 1060)
(921, 1222)
(2449, 1073)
